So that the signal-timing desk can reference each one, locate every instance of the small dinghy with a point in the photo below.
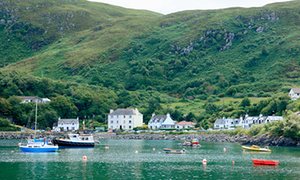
(264, 162)
(256, 148)
(174, 151)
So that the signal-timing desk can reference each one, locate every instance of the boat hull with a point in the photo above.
(72, 144)
(38, 149)
(264, 162)
(256, 149)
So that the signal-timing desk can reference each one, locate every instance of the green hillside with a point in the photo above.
(235, 52)
(184, 60)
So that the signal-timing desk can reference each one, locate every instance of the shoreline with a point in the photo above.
(262, 140)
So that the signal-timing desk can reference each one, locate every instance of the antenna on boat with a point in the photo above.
(35, 122)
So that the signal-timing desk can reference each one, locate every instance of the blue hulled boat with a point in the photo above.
(38, 145)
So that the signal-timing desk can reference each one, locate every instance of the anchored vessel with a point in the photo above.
(37, 145)
(265, 162)
(256, 148)
(76, 140)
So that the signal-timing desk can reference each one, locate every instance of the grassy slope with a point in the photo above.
(112, 46)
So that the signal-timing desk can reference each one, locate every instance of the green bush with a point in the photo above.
(4, 122)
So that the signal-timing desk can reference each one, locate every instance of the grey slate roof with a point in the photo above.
(220, 121)
(123, 112)
(158, 118)
(296, 90)
(68, 121)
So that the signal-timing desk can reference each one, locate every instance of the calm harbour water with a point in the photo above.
(121, 161)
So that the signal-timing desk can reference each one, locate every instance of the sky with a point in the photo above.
(170, 6)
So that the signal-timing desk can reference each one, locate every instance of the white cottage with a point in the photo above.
(226, 123)
(294, 93)
(156, 121)
(125, 119)
(67, 124)
(185, 125)
(33, 99)
(168, 123)
(245, 122)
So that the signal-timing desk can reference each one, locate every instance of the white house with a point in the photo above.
(294, 93)
(33, 99)
(125, 119)
(67, 124)
(225, 123)
(185, 125)
(245, 122)
(156, 121)
(168, 123)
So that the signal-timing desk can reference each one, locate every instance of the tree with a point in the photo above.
(64, 107)
(245, 102)
(190, 117)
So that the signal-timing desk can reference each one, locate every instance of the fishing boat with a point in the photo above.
(256, 148)
(75, 140)
(265, 162)
(37, 145)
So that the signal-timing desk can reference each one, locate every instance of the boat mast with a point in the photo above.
(35, 122)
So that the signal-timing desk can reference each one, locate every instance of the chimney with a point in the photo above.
(111, 111)
(168, 115)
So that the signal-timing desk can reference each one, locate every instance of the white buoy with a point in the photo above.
(224, 149)
(84, 158)
(153, 149)
(106, 147)
(204, 161)
(136, 152)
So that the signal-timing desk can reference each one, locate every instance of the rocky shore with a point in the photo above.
(263, 140)
(242, 139)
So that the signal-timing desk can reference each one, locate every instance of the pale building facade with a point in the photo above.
(125, 119)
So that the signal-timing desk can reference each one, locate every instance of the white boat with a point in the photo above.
(76, 140)
(37, 145)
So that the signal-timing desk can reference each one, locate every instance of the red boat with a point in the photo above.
(264, 162)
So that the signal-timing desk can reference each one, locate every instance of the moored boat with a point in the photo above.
(75, 140)
(174, 151)
(38, 145)
(265, 162)
(256, 148)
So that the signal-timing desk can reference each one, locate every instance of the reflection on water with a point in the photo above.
(120, 161)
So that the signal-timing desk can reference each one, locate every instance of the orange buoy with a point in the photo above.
(84, 158)
(204, 161)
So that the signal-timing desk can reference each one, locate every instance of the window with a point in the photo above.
(72, 123)
(117, 122)
(111, 127)
(73, 128)
(111, 116)
(130, 116)
(129, 121)
(129, 127)
(124, 116)
(111, 121)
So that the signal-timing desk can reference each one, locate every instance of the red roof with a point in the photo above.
(185, 123)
